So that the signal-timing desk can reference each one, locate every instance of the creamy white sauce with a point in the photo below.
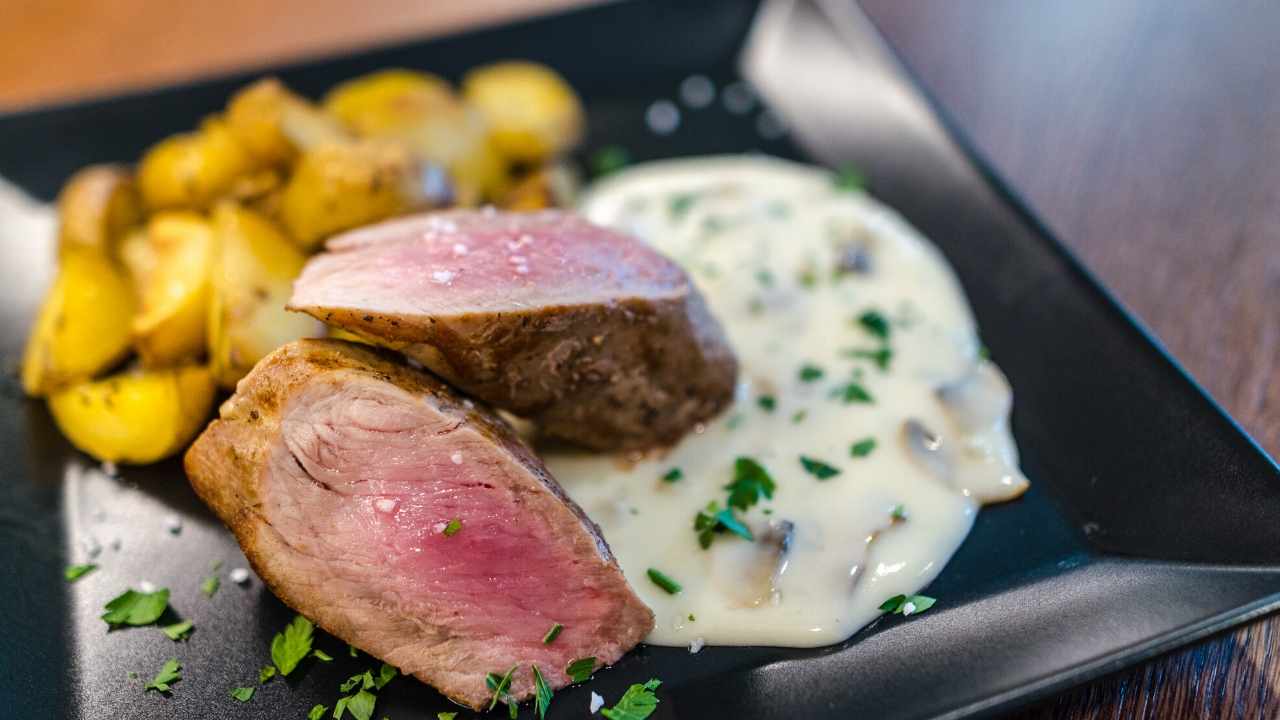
(763, 239)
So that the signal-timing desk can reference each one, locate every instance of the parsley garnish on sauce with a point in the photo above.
(541, 693)
(874, 323)
(178, 631)
(552, 634)
(637, 703)
(452, 527)
(880, 358)
(852, 392)
(907, 605)
(810, 372)
(75, 572)
(767, 402)
(580, 670)
(750, 482)
(849, 178)
(713, 519)
(680, 203)
(170, 673)
(243, 694)
(661, 580)
(818, 469)
(290, 647)
(673, 475)
(863, 447)
(898, 513)
(136, 608)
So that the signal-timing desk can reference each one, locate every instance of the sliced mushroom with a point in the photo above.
(858, 567)
(978, 400)
(767, 564)
(927, 449)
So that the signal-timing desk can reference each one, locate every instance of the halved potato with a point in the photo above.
(138, 416)
(82, 327)
(254, 265)
(173, 288)
(532, 111)
(95, 208)
(191, 170)
(339, 186)
(456, 137)
(255, 117)
(388, 102)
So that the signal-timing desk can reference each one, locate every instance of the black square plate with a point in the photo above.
(1152, 518)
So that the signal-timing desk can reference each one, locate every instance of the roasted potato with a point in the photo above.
(532, 112)
(136, 417)
(173, 288)
(254, 265)
(95, 208)
(191, 170)
(307, 127)
(549, 186)
(339, 186)
(388, 103)
(255, 116)
(456, 138)
(82, 327)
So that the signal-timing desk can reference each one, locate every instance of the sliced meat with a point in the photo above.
(591, 333)
(339, 469)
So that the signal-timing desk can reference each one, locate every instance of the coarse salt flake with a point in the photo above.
(456, 458)
(239, 576)
(442, 276)
(597, 702)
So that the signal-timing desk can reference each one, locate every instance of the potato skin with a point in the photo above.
(388, 102)
(96, 207)
(191, 170)
(135, 417)
(173, 288)
(255, 117)
(339, 186)
(82, 327)
(532, 112)
(254, 265)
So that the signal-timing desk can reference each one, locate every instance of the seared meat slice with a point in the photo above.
(339, 469)
(590, 333)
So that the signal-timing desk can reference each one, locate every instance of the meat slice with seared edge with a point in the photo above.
(410, 522)
(592, 334)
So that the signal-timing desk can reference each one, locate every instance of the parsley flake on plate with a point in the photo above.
(243, 694)
(360, 705)
(446, 715)
(317, 712)
(498, 684)
(637, 703)
(542, 693)
(290, 647)
(580, 670)
(210, 586)
(750, 482)
(322, 656)
(386, 674)
(136, 608)
(608, 159)
(178, 631)
(818, 469)
(552, 634)
(170, 673)
(863, 447)
(266, 674)
(661, 580)
(907, 604)
(74, 572)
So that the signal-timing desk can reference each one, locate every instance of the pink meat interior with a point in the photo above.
(366, 481)
(483, 261)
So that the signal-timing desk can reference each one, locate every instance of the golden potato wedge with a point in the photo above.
(456, 137)
(255, 117)
(173, 288)
(388, 102)
(136, 417)
(254, 265)
(95, 208)
(532, 112)
(191, 170)
(338, 186)
(82, 327)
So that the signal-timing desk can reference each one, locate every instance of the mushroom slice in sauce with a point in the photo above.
(766, 565)
(926, 449)
(977, 407)
(859, 565)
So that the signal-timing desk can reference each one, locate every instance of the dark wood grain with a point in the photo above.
(1147, 134)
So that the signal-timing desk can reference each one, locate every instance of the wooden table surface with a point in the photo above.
(1146, 132)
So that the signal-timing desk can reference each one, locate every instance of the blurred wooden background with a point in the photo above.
(1146, 132)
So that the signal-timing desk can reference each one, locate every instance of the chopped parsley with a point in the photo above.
(692, 618)
(863, 447)
(210, 586)
(680, 203)
(322, 656)
(764, 277)
(360, 705)
(848, 178)
(170, 673)
(713, 520)
(799, 416)
(818, 469)
(351, 650)
(386, 674)
(580, 670)
(767, 403)
(673, 475)
(983, 351)
(266, 674)
(671, 586)
(452, 527)
(852, 392)
(498, 684)
(364, 681)
(552, 634)
(907, 605)
(290, 647)
(810, 372)
(75, 572)
(608, 159)
(136, 608)
(898, 512)
(243, 694)
(637, 703)
(446, 715)
(541, 693)
(734, 421)
(875, 323)
(750, 481)
(178, 631)
(317, 712)
(880, 358)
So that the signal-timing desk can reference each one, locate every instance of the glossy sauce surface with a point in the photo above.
(863, 396)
